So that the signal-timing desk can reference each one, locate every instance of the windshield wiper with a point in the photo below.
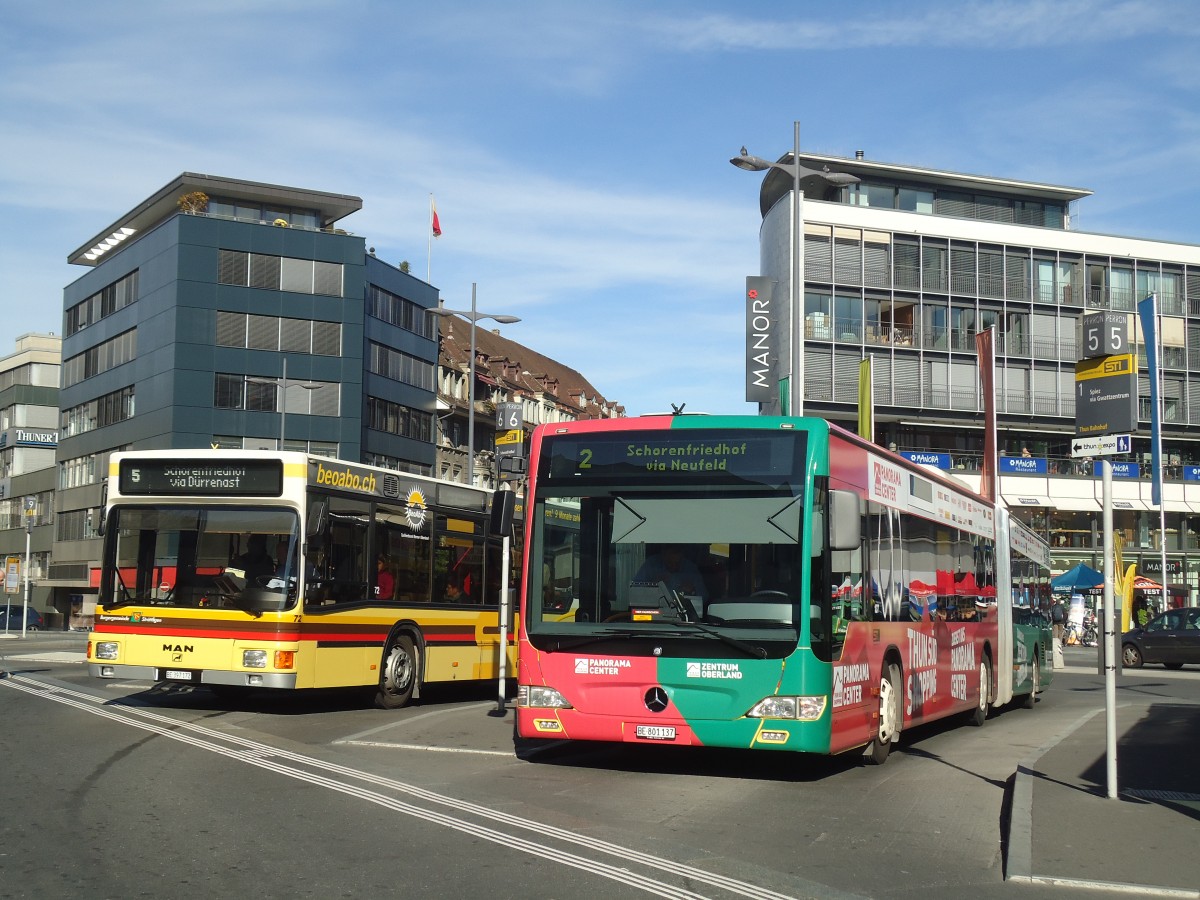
(593, 638)
(747, 648)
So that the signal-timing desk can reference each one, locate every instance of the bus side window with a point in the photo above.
(348, 555)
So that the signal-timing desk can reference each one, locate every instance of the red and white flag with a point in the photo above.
(435, 224)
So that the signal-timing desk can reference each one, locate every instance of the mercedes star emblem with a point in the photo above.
(656, 699)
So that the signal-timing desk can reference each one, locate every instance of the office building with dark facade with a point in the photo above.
(227, 313)
(906, 266)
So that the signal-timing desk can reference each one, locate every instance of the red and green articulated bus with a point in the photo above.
(761, 582)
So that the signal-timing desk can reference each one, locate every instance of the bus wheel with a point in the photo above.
(889, 716)
(399, 677)
(1031, 697)
(978, 715)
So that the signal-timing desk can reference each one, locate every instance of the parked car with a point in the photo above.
(1171, 638)
(11, 616)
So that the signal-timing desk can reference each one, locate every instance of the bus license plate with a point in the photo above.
(656, 732)
(178, 675)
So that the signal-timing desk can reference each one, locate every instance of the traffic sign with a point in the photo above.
(1101, 445)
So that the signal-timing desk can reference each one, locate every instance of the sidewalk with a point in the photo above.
(1065, 830)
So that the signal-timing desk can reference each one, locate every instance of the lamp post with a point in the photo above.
(282, 381)
(474, 317)
(746, 162)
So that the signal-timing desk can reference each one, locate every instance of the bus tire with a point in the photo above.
(979, 714)
(398, 675)
(1031, 697)
(890, 719)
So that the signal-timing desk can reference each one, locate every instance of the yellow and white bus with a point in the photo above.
(237, 569)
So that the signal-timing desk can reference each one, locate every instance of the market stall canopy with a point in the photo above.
(1142, 583)
(1078, 578)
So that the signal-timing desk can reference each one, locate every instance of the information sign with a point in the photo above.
(1106, 395)
(1103, 445)
(1104, 334)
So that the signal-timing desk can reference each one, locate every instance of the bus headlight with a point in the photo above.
(107, 649)
(254, 659)
(532, 696)
(806, 709)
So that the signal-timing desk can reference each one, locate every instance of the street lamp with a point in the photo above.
(283, 385)
(474, 318)
(795, 404)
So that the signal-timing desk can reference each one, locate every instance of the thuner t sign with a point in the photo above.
(1106, 395)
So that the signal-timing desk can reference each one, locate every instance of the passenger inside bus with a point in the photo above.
(385, 583)
(454, 592)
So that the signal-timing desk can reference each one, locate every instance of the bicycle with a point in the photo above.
(1071, 634)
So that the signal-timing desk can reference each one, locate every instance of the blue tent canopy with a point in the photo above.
(1078, 578)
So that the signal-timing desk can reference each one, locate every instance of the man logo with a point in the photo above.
(657, 700)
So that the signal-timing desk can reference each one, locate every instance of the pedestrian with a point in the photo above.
(1058, 618)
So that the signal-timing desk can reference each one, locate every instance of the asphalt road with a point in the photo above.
(116, 790)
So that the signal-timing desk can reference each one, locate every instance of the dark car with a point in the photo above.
(11, 617)
(1171, 638)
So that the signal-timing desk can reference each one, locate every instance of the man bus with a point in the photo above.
(283, 570)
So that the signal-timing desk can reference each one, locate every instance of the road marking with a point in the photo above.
(430, 748)
(48, 656)
(346, 780)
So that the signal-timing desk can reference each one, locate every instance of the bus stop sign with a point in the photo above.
(1106, 395)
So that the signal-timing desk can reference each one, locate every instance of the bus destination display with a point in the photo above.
(723, 455)
(241, 478)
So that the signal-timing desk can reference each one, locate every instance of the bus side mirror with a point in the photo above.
(103, 509)
(317, 511)
(504, 506)
(845, 523)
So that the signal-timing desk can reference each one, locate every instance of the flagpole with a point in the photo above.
(429, 243)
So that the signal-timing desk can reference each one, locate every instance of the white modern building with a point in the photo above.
(906, 266)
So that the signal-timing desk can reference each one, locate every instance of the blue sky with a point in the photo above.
(578, 152)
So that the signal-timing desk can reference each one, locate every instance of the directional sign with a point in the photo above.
(1106, 396)
(1103, 445)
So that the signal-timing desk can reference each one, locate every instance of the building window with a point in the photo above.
(108, 355)
(393, 418)
(400, 366)
(255, 332)
(252, 212)
(258, 394)
(275, 273)
(77, 524)
(115, 407)
(387, 307)
(77, 472)
(104, 302)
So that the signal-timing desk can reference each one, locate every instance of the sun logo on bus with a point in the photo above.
(416, 512)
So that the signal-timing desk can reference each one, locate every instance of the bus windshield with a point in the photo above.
(200, 557)
(721, 558)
